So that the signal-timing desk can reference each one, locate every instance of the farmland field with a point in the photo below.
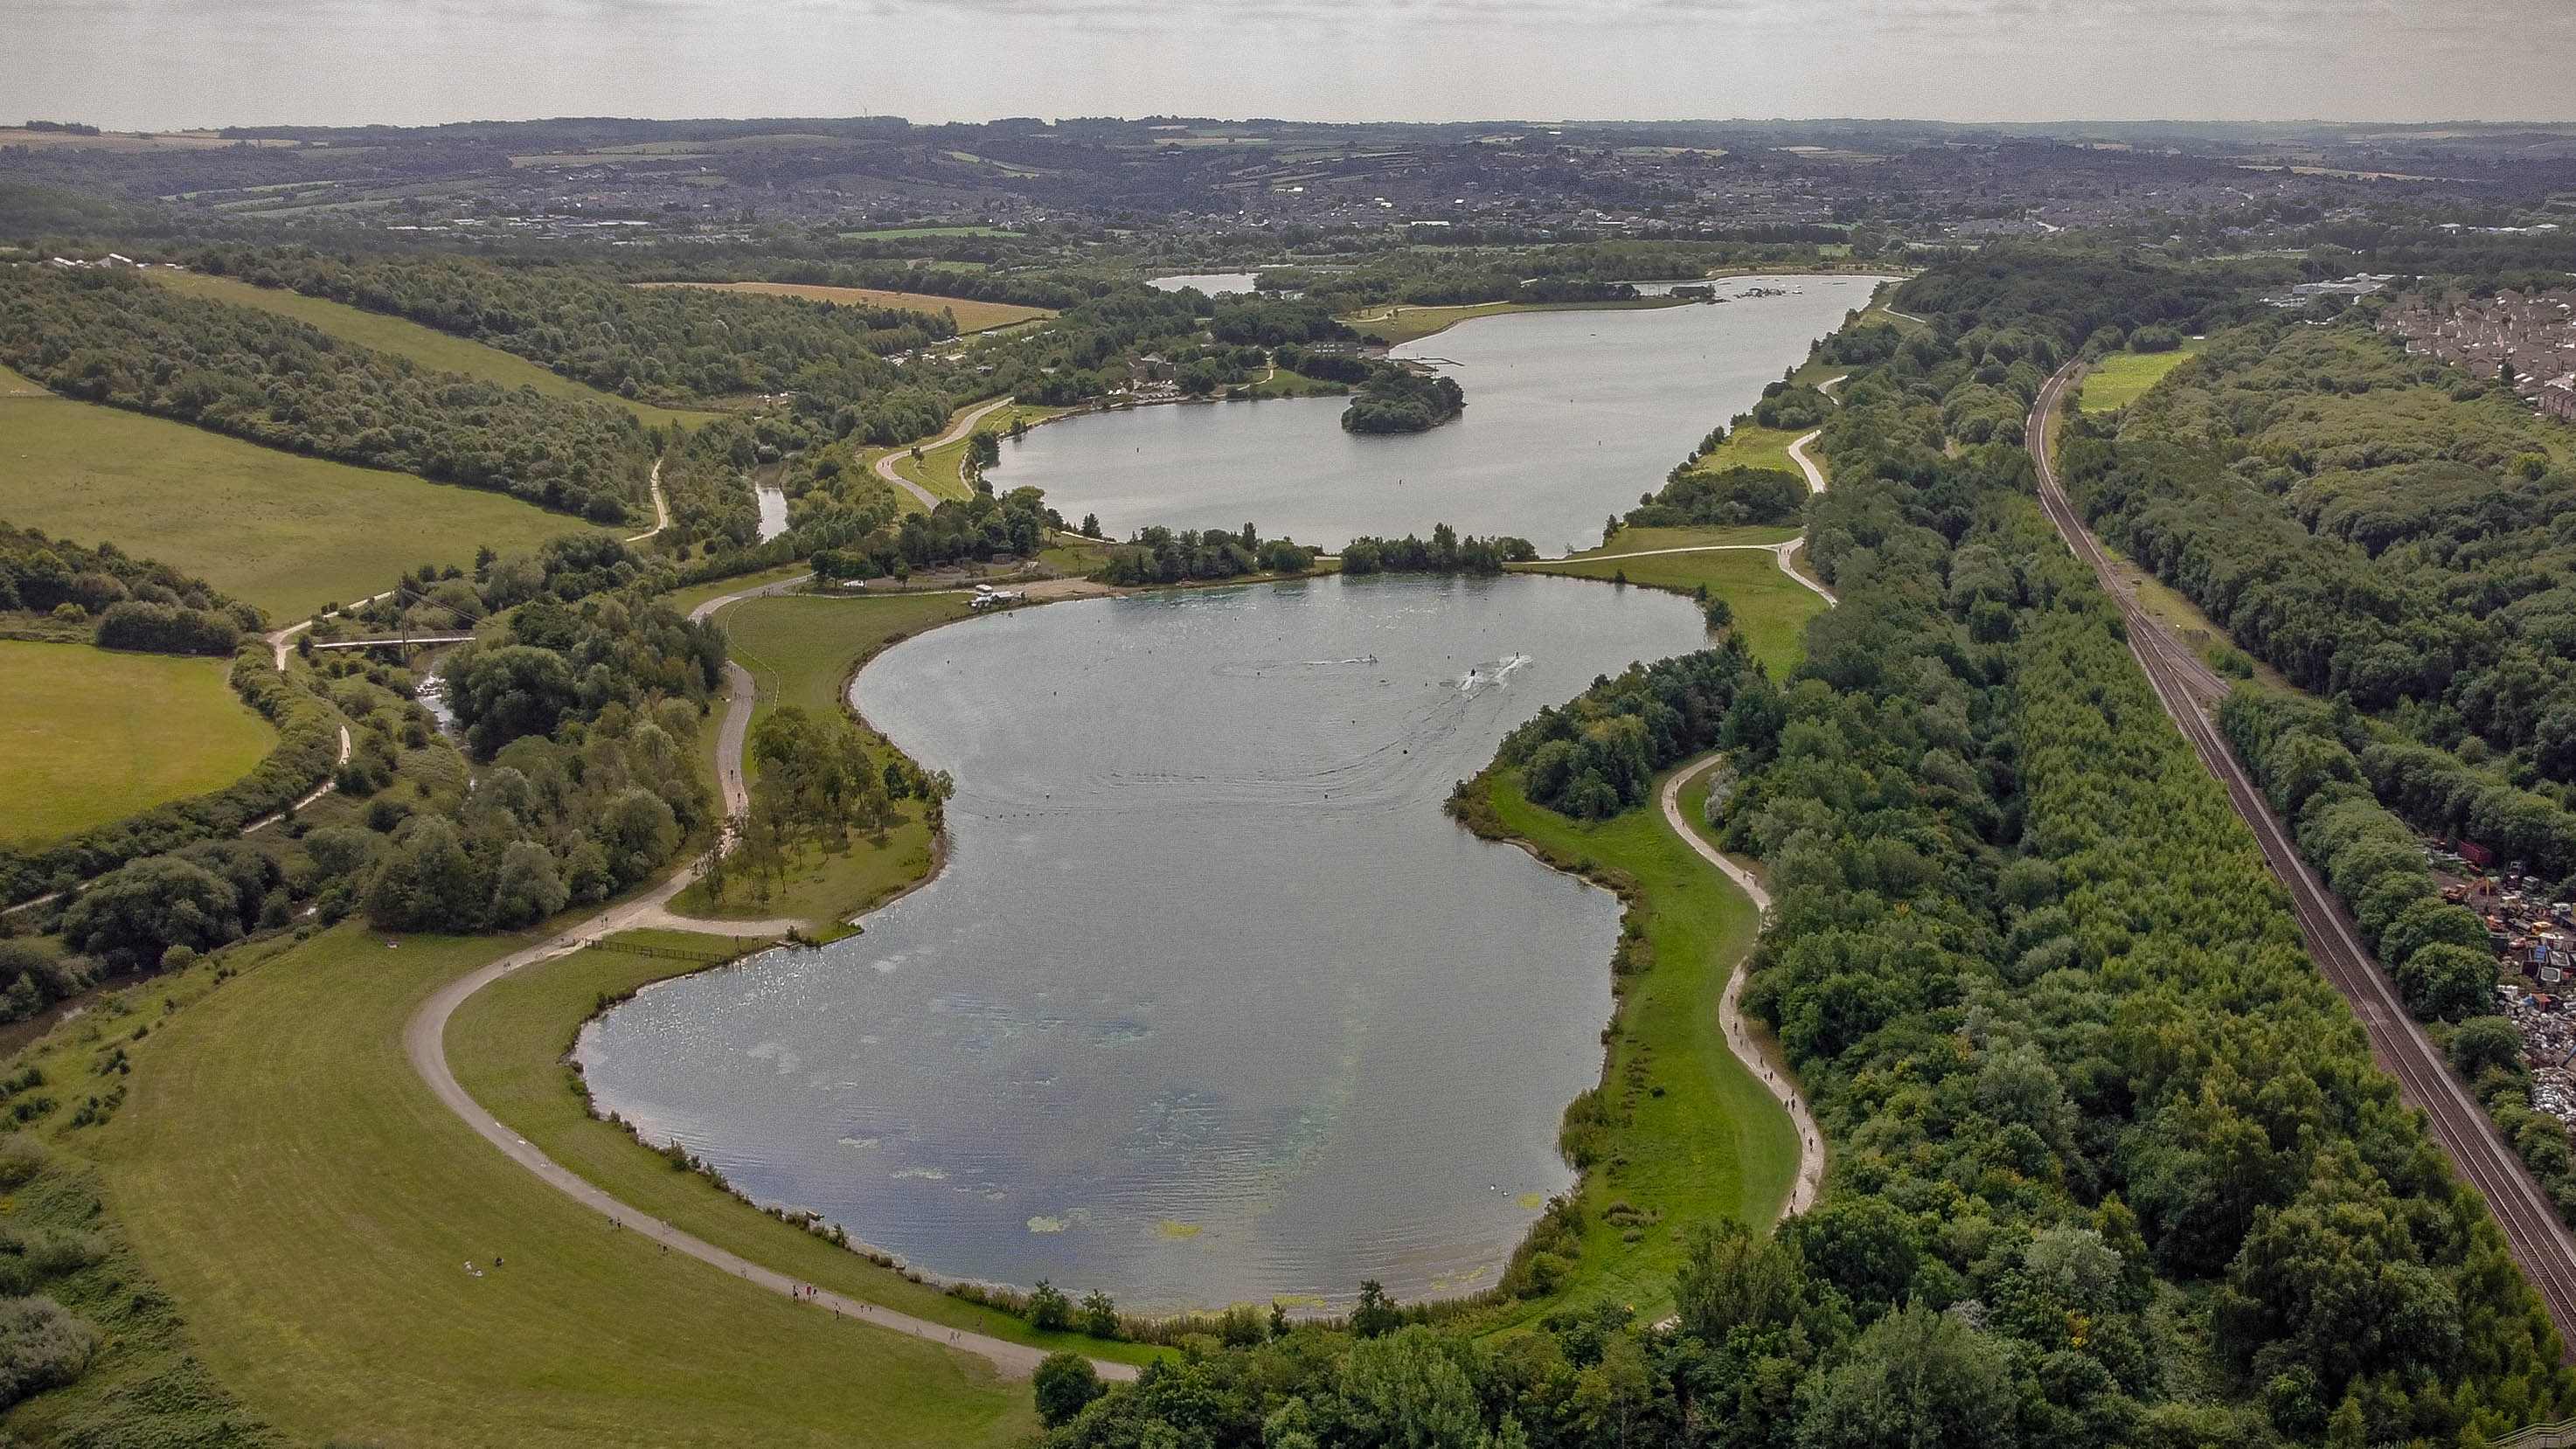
(89, 735)
(427, 346)
(285, 532)
(971, 316)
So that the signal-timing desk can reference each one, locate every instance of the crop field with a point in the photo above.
(2124, 377)
(314, 1220)
(427, 346)
(972, 316)
(1771, 608)
(89, 735)
(507, 1046)
(286, 532)
(1701, 1139)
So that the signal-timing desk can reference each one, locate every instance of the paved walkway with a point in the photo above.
(956, 430)
(1730, 1006)
(425, 1043)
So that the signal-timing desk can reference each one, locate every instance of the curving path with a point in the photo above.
(956, 430)
(661, 507)
(425, 1043)
(1730, 1006)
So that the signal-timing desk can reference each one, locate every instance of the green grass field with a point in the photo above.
(1400, 325)
(285, 532)
(802, 649)
(89, 735)
(507, 1045)
(906, 233)
(312, 1220)
(942, 470)
(2123, 377)
(1770, 607)
(427, 346)
(1753, 446)
(1700, 1138)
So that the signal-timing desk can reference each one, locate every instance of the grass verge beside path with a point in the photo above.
(431, 348)
(1694, 1136)
(1752, 446)
(801, 649)
(88, 735)
(507, 1044)
(285, 532)
(1771, 608)
(312, 1218)
(942, 470)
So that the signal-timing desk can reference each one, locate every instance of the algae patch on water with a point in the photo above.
(1167, 1228)
(1530, 1201)
(1048, 1225)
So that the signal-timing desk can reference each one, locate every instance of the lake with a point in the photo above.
(1211, 1002)
(1211, 283)
(1570, 415)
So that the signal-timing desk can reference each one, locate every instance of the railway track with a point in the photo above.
(2188, 688)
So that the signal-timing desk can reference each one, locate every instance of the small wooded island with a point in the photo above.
(1395, 400)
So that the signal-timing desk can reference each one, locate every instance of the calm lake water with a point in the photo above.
(1211, 1003)
(1570, 415)
(1211, 283)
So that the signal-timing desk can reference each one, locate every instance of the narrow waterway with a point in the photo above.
(1212, 1003)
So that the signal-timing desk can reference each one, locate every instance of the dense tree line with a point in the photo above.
(821, 777)
(2310, 758)
(140, 604)
(670, 344)
(2112, 1164)
(1400, 400)
(1580, 272)
(2381, 530)
(111, 337)
(1158, 555)
(1600, 754)
(1729, 496)
(1207, 343)
(875, 544)
(1445, 553)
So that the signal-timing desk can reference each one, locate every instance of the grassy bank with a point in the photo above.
(507, 1046)
(1398, 325)
(312, 1219)
(88, 735)
(1771, 608)
(285, 532)
(802, 649)
(1691, 1135)
(431, 348)
(942, 470)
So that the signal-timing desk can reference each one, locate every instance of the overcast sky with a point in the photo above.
(131, 64)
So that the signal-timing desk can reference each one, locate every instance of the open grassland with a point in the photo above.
(285, 532)
(2124, 377)
(88, 735)
(972, 316)
(1644, 540)
(427, 346)
(12, 385)
(801, 649)
(942, 470)
(507, 1046)
(313, 1218)
(1399, 324)
(1771, 608)
(1752, 446)
(1694, 1138)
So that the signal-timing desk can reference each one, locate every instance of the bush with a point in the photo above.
(166, 629)
(1065, 1382)
(41, 1347)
